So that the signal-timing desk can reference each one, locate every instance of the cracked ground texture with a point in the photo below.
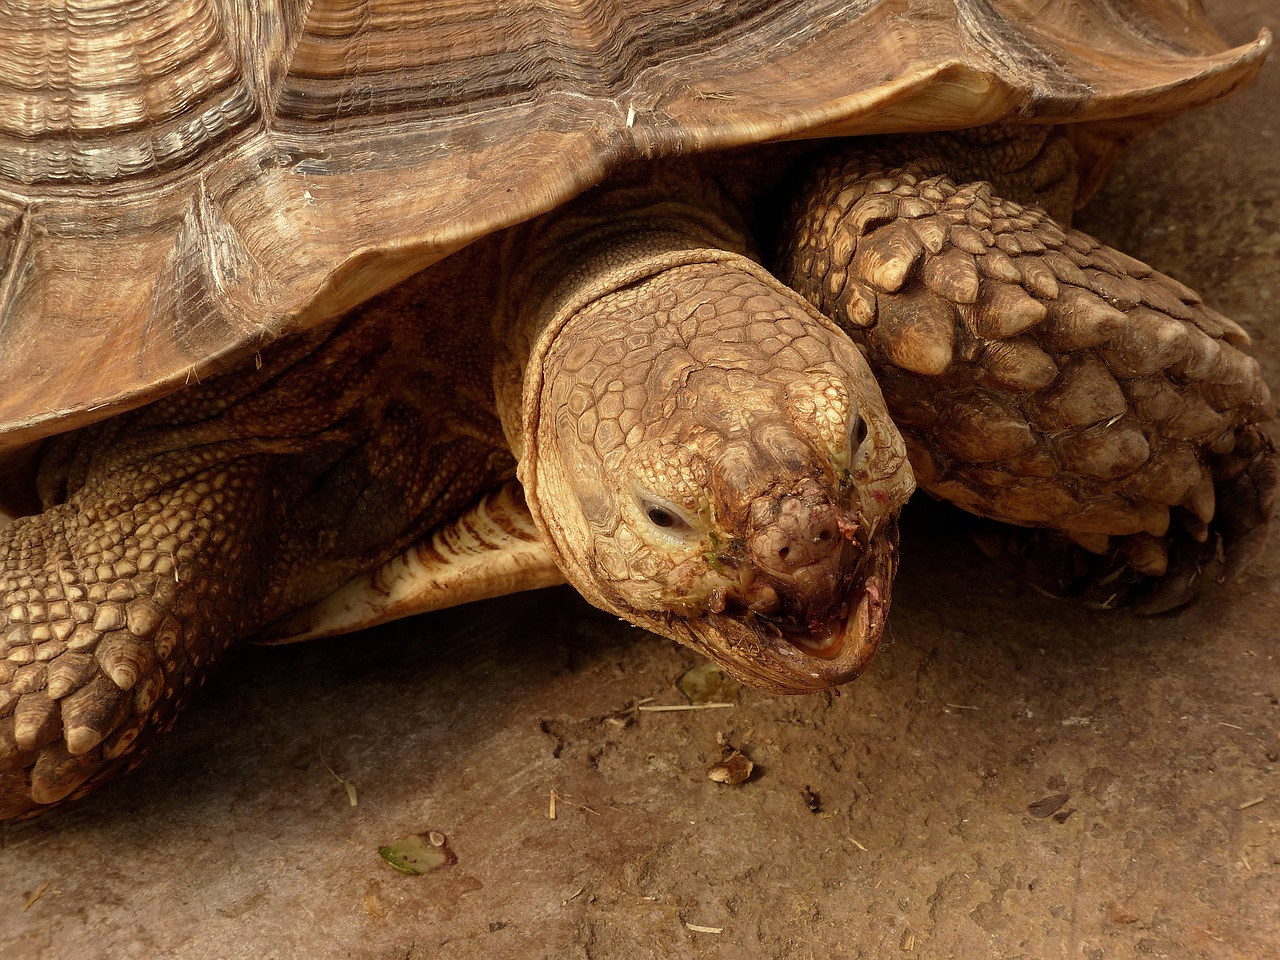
(911, 816)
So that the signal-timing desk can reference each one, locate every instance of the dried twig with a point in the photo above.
(580, 806)
(36, 895)
(697, 929)
(347, 784)
(668, 708)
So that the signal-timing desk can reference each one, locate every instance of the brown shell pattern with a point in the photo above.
(184, 181)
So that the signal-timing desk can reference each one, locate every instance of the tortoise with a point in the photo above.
(316, 315)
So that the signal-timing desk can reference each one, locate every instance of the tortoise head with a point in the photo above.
(712, 460)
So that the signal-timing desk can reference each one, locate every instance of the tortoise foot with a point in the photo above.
(1043, 379)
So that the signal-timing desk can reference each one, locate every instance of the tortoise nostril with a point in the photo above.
(800, 531)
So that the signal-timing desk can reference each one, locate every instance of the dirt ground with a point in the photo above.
(1015, 777)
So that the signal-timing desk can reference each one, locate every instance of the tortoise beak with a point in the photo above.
(788, 647)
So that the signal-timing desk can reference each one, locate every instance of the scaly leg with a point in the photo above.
(1039, 377)
(175, 530)
(115, 611)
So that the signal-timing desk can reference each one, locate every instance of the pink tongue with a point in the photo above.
(824, 637)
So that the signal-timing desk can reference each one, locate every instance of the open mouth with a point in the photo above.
(860, 615)
(778, 653)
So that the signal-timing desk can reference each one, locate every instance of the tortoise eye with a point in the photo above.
(660, 518)
(663, 515)
(857, 432)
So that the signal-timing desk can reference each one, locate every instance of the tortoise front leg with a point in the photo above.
(174, 530)
(115, 610)
(1039, 377)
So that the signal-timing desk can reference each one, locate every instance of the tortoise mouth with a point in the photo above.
(787, 654)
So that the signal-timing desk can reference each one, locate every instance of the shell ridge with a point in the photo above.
(487, 147)
(79, 104)
(15, 239)
(1010, 48)
(277, 48)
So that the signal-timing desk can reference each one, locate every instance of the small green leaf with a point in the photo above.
(707, 684)
(419, 853)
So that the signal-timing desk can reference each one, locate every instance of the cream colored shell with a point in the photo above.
(184, 181)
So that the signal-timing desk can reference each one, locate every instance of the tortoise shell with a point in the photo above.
(183, 182)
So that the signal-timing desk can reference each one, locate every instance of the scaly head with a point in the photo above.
(711, 459)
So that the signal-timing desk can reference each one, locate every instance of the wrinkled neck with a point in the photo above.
(608, 241)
